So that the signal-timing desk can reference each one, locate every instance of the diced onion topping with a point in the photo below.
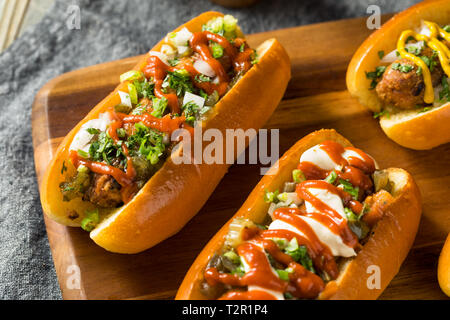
(181, 37)
(125, 98)
(160, 55)
(204, 68)
(189, 97)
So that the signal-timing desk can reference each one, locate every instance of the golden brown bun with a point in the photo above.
(408, 128)
(387, 247)
(444, 267)
(176, 192)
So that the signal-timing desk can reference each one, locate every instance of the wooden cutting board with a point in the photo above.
(316, 98)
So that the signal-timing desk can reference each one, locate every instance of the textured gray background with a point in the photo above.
(110, 30)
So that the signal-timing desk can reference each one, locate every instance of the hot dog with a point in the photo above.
(114, 173)
(312, 229)
(401, 73)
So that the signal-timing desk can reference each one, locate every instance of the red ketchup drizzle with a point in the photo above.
(199, 43)
(355, 170)
(158, 70)
(324, 214)
(302, 283)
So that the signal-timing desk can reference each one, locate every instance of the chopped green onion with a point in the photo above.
(381, 54)
(232, 256)
(271, 196)
(131, 75)
(229, 23)
(283, 274)
(331, 178)
(283, 197)
(349, 188)
(298, 176)
(351, 216)
(217, 51)
(83, 154)
(133, 93)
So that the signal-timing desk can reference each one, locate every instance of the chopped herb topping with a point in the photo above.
(178, 80)
(381, 54)
(375, 75)
(444, 94)
(405, 68)
(93, 130)
(381, 113)
(159, 106)
(104, 149)
(331, 178)
(217, 51)
(147, 143)
(349, 188)
(430, 62)
(144, 88)
(271, 196)
(202, 78)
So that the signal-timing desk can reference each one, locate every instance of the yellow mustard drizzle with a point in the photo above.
(433, 42)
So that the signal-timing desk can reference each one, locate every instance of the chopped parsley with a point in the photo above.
(174, 62)
(430, 62)
(405, 68)
(375, 75)
(414, 49)
(178, 80)
(144, 88)
(93, 130)
(104, 149)
(191, 111)
(147, 143)
(159, 106)
(381, 54)
(444, 94)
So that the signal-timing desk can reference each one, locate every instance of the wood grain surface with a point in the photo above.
(316, 98)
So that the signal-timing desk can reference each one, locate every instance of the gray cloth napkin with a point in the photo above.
(110, 30)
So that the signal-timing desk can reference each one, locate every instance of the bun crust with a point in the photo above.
(422, 130)
(444, 267)
(386, 248)
(176, 192)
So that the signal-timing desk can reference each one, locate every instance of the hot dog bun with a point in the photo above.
(410, 129)
(387, 247)
(176, 192)
(444, 268)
